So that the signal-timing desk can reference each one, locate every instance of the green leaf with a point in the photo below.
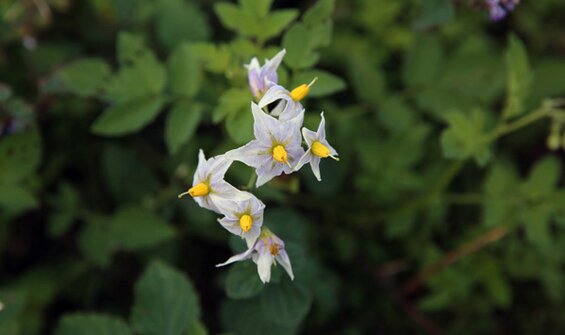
(85, 77)
(180, 21)
(543, 178)
(185, 75)
(243, 281)
(128, 117)
(299, 47)
(232, 101)
(465, 137)
(16, 199)
(182, 121)
(134, 227)
(434, 12)
(165, 302)
(215, 58)
(277, 22)
(257, 8)
(143, 77)
(319, 12)
(128, 178)
(13, 304)
(423, 62)
(129, 46)
(326, 84)
(65, 203)
(95, 241)
(519, 78)
(239, 125)
(285, 303)
(247, 317)
(233, 18)
(91, 324)
(20, 155)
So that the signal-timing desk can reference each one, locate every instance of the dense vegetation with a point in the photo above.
(445, 213)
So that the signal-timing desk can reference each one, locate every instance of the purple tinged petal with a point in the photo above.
(239, 257)
(283, 259)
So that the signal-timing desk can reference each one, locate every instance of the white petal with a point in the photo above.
(322, 128)
(291, 110)
(268, 171)
(282, 259)
(291, 130)
(253, 154)
(264, 125)
(231, 225)
(264, 263)
(315, 165)
(309, 136)
(200, 173)
(217, 166)
(273, 94)
(303, 160)
(252, 235)
(237, 258)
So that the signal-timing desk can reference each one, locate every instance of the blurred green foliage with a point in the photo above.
(444, 215)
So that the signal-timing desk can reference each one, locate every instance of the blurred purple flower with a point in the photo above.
(500, 8)
(261, 78)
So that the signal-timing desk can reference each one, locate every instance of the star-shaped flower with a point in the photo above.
(318, 148)
(289, 105)
(267, 250)
(209, 185)
(276, 147)
(242, 217)
(261, 78)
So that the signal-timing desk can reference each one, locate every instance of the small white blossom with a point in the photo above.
(276, 147)
(242, 217)
(209, 185)
(261, 78)
(289, 105)
(267, 250)
(318, 148)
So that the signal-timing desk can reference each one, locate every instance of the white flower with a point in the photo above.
(209, 185)
(242, 217)
(289, 105)
(261, 78)
(267, 250)
(318, 148)
(276, 147)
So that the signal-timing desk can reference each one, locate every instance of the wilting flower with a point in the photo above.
(242, 217)
(263, 77)
(318, 148)
(276, 146)
(289, 105)
(500, 8)
(267, 250)
(209, 185)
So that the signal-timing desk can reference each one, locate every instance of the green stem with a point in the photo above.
(545, 110)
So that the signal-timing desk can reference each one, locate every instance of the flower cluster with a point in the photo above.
(277, 148)
(498, 9)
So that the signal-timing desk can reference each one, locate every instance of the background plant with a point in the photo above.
(444, 215)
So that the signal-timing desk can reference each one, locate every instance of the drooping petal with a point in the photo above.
(283, 259)
(253, 154)
(268, 171)
(264, 263)
(200, 173)
(237, 258)
(315, 165)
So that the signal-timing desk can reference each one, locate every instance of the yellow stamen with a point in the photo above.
(279, 154)
(301, 91)
(320, 150)
(245, 222)
(198, 190)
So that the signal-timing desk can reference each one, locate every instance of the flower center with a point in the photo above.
(199, 190)
(274, 249)
(301, 91)
(279, 154)
(245, 222)
(320, 150)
